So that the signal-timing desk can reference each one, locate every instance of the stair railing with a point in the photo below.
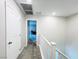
(49, 50)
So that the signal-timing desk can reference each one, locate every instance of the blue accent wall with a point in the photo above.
(32, 30)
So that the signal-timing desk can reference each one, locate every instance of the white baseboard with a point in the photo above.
(41, 52)
(20, 51)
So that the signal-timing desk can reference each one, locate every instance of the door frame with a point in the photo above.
(27, 29)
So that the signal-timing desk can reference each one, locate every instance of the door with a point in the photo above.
(13, 29)
(32, 31)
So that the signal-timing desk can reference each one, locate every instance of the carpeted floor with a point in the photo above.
(30, 52)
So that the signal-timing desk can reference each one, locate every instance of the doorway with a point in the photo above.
(31, 32)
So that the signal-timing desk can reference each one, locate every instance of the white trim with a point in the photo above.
(20, 51)
(41, 52)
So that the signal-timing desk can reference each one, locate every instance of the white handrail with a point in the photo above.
(46, 40)
(62, 53)
(53, 43)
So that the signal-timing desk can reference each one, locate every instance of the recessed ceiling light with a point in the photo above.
(54, 13)
(29, 1)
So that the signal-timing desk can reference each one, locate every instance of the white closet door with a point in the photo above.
(13, 27)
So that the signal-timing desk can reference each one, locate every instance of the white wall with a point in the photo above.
(2, 30)
(23, 35)
(72, 37)
(54, 29)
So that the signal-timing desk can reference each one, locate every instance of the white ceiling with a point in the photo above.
(60, 7)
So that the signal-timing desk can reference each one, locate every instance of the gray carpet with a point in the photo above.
(30, 52)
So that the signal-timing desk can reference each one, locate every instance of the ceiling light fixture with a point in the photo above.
(29, 1)
(54, 13)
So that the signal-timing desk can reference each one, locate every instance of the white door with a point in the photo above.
(13, 29)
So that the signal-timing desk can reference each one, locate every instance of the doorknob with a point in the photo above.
(10, 43)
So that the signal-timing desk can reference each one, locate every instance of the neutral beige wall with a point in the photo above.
(72, 37)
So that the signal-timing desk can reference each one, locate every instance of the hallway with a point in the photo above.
(39, 29)
(30, 52)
